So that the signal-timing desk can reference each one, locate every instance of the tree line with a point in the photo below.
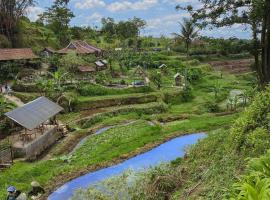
(254, 13)
(57, 18)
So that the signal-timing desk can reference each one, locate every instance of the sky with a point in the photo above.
(160, 15)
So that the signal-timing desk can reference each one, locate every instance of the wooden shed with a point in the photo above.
(37, 118)
(179, 79)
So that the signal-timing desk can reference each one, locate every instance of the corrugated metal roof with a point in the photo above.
(99, 63)
(34, 113)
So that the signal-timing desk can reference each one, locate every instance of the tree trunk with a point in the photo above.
(267, 41)
(256, 53)
(263, 56)
(187, 48)
(265, 38)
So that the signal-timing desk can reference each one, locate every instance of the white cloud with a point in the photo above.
(120, 5)
(179, 1)
(86, 4)
(236, 30)
(166, 21)
(33, 12)
(127, 5)
(165, 25)
(95, 17)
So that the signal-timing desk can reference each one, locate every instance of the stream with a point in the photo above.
(166, 152)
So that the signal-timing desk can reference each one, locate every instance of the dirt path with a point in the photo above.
(14, 100)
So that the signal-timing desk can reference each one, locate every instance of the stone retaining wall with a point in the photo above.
(31, 150)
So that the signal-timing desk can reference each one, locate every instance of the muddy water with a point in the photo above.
(164, 153)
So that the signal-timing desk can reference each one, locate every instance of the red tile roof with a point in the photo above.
(80, 47)
(16, 54)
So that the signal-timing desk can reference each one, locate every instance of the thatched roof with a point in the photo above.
(80, 47)
(17, 54)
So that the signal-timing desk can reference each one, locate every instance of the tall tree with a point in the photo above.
(255, 13)
(188, 32)
(10, 13)
(57, 18)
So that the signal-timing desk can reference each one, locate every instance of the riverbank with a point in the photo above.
(107, 149)
(164, 153)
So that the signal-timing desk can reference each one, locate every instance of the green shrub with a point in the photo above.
(258, 141)
(187, 94)
(212, 106)
(98, 90)
(256, 116)
(255, 184)
(148, 109)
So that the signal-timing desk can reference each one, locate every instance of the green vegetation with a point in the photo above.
(212, 166)
(97, 90)
(140, 85)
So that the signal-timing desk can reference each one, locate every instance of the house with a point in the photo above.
(82, 48)
(101, 65)
(179, 79)
(141, 77)
(163, 68)
(17, 54)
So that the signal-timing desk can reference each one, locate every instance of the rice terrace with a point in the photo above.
(134, 99)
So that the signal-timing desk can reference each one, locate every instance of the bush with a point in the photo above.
(98, 90)
(212, 106)
(187, 94)
(256, 116)
(9, 70)
(150, 108)
(4, 42)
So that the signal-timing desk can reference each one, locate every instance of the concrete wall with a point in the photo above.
(38, 146)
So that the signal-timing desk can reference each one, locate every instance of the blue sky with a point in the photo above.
(160, 15)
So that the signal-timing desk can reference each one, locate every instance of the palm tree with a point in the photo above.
(188, 32)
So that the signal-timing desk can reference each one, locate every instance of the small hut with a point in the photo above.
(37, 118)
(101, 65)
(140, 77)
(86, 72)
(179, 79)
(163, 68)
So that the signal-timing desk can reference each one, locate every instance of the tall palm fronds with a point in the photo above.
(188, 32)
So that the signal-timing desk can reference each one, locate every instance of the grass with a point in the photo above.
(124, 141)
(211, 166)
(98, 90)
(96, 98)
(99, 149)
